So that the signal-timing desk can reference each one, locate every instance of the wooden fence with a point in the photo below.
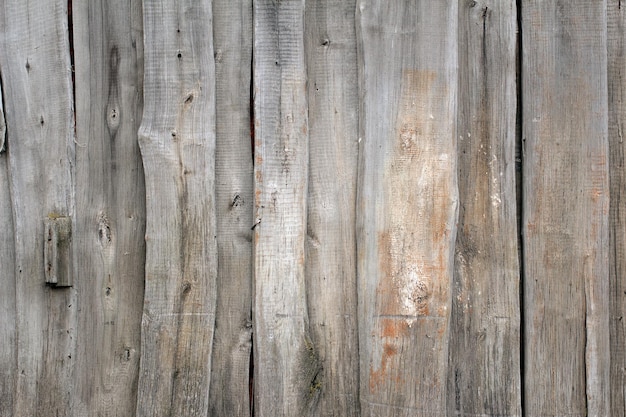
(312, 208)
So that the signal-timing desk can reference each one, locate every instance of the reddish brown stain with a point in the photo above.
(394, 328)
(378, 376)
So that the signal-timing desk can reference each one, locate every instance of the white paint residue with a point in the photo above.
(495, 184)
(414, 291)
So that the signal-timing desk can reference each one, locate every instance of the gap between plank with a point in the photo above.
(519, 177)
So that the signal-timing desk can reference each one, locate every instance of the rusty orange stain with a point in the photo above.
(394, 328)
(377, 377)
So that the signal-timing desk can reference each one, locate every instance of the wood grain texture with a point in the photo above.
(330, 45)
(110, 206)
(565, 209)
(286, 361)
(484, 377)
(616, 33)
(37, 90)
(230, 373)
(7, 296)
(177, 142)
(407, 203)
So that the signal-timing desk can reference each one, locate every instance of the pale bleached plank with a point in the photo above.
(177, 141)
(484, 377)
(565, 208)
(37, 84)
(286, 361)
(330, 45)
(7, 296)
(616, 33)
(230, 373)
(407, 204)
(110, 206)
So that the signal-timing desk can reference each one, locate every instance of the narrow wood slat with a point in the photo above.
(230, 373)
(110, 206)
(565, 209)
(330, 45)
(286, 361)
(407, 204)
(616, 33)
(177, 142)
(7, 295)
(484, 377)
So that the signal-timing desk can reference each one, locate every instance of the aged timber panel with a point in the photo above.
(286, 360)
(177, 141)
(7, 281)
(407, 203)
(616, 16)
(230, 373)
(110, 201)
(331, 246)
(565, 208)
(484, 376)
(37, 90)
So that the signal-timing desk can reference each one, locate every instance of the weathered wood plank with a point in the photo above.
(7, 295)
(177, 142)
(407, 203)
(110, 206)
(565, 209)
(36, 76)
(286, 361)
(616, 33)
(484, 377)
(230, 373)
(330, 45)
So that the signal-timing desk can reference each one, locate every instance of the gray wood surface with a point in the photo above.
(484, 376)
(565, 208)
(286, 361)
(7, 295)
(616, 33)
(110, 206)
(330, 45)
(37, 90)
(407, 203)
(177, 142)
(230, 373)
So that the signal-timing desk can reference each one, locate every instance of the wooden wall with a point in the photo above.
(312, 208)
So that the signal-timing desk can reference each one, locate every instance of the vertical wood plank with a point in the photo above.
(110, 200)
(407, 203)
(330, 45)
(7, 295)
(177, 142)
(484, 377)
(565, 208)
(616, 23)
(37, 84)
(230, 373)
(286, 360)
